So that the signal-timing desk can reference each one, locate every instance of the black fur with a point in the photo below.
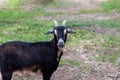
(18, 55)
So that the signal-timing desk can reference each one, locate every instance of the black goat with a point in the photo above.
(39, 56)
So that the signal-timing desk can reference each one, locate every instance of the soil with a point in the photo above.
(2, 3)
(89, 68)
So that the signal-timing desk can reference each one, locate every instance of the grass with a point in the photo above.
(90, 11)
(112, 23)
(111, 5)
(14, 3)
(18, 24)
(56, 4)
(69, 62)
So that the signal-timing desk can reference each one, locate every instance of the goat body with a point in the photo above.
(39, 56)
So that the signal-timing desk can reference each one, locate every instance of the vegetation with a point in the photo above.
(111, 5)
(25, 25)
(14, 3)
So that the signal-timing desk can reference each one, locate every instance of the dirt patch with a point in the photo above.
(76, 6)
(77, 17)
(103, 72)
(106, 71)
(2, 3)
(102, 30)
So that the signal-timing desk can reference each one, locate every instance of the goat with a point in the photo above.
(41, 56)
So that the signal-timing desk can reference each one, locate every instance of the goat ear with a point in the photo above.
(70, 31)
(49, 32)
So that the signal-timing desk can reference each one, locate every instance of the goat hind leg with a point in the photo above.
(6, 73)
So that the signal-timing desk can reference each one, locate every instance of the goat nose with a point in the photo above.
(61, 44)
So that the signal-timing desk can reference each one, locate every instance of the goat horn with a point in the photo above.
(56, 23)
(63, 24)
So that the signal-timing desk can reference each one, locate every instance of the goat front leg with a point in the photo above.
(47, 76)
(6, 73)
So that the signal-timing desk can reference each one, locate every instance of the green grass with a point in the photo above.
(22, 25)
(14, 3)
(112, 23)
(109, 49)
(69, 62)
(55, 4)
(111, 5)
(109, 54)
(29, 31)
(90, 11)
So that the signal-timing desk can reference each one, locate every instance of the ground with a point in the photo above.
(81, 64)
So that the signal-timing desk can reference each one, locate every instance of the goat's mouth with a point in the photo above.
(60, 46)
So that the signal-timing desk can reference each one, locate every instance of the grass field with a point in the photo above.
(102, 40)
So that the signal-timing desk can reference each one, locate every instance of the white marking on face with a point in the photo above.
(60, 40)
(60, 44)
(55, 31)
(65, 31)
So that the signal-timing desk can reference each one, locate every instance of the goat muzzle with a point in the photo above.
(60, 44)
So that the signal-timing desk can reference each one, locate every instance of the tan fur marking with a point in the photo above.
(58, 54)
(29, 71)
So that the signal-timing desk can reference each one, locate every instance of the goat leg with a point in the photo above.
(6, 73)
